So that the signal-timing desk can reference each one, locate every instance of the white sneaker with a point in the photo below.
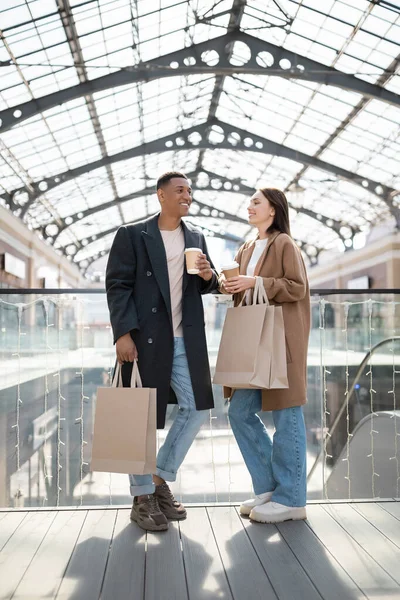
(276, 513)
(247, 506)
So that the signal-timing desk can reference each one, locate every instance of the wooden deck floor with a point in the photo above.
(344, 551)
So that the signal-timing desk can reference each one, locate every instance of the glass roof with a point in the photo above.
(47, 46)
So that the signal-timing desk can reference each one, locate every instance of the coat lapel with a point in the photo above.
(158, 258)
(192, 240)
(263, 256)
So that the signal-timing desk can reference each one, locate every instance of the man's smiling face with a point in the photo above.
(175, 197)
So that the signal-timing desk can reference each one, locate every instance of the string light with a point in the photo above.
(80, 419)
(346, 393)
(60, 398)
(371, 396)
(48, 348)
(18, 403)
(229, 459)
(325, 413)
(393, 391)
(212, 455)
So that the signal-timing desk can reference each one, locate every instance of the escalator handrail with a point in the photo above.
(347, 399)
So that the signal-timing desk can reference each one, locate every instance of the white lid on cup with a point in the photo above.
(193, 250)
(229, 266)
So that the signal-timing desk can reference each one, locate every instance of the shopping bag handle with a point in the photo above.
(136, 380)
(259, 294)
(262, 297)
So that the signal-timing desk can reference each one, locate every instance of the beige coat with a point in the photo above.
(285, 280)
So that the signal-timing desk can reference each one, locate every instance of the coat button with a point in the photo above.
(149, 273)
(154, 310)
(150, 340)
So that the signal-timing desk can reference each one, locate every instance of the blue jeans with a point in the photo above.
(278, 465)
(183, 430)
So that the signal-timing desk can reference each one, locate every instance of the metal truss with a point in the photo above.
(311, 251)
(213, 134)
(384, 78)
(79, 62)
(264, 58)
(216, 184)
(86, 262)
(73, 248)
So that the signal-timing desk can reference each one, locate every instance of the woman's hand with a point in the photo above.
(234, 285)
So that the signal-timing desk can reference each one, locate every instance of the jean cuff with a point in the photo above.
(265, 491)
(285, 502)
(142, 490)
(166, 475)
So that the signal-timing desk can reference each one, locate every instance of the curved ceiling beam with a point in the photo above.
(213, 134)
(103, 234)
(312, 257)
(71, 250)
(53, 229)
(264, 58)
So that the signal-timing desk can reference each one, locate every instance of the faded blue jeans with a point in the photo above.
(278, 465)
(183, 430)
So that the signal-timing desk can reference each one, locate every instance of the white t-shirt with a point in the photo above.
(259, 248)
(174, 243)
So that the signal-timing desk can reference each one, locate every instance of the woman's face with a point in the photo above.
(260, 210)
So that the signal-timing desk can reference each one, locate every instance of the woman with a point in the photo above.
(278, 467)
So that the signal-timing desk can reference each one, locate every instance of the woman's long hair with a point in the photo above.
(278, 200)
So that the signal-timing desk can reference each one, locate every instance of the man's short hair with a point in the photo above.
(161, 181)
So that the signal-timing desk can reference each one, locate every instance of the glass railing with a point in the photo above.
(56, 350)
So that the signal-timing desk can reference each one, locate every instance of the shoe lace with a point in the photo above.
(166, 490)
(153, 504)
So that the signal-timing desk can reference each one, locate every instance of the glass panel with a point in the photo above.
(55, 351)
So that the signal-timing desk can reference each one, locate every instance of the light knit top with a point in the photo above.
(174, 243)
(259, 248)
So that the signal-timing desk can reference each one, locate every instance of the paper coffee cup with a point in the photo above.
(231, 270)
(191, 257)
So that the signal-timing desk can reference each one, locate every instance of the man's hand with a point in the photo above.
(234, 285)
(204, 266)
(126, 349)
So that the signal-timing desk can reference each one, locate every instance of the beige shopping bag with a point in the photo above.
(252, 353)
(124, 439)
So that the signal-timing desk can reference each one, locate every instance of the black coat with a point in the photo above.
(138, 297)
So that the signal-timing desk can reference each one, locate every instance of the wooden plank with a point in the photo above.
(9, 524)
(27, 509)
(368, 537)
(124, 576)
(20, 549)
(331, 580)
(365, 572)
(382, 520)
(246, 576)
(391, 507)
(44, 574)
(275, 555)
(85, 572)
(165, 573)
(205, 572)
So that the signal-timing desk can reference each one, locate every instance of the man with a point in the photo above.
(156, 313)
